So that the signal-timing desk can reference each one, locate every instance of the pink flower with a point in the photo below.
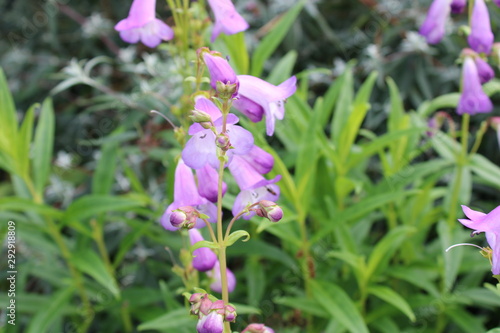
(433, 27)
(227, 19)
(257, 97)
(142, 25)
(204, 258)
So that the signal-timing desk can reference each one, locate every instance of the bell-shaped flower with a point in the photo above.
(142, 25)
(219, 69)
(186, 194)
(227, 19)
(204, 258)
(481, 37)
(433, 28)
(257, 97)
(473, 99)
(201, 148)
(490, 225)
(217, 284)
(457, 6)
(208, 181)
(211, 323)
(259, 159)
(257, 328)
(484, 70)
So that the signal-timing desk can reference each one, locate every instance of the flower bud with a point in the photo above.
(226, 91)
(229, 313)
(257, 328)
(178, 218)
(196, 302)
(199, 116)
(184, 217)
(269, 210)
(222, 141)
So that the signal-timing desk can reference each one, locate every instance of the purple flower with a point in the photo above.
(457, 6)
(259, 159)
(257, 97)
(473, 99)
(490, 225)
(203, 258)
(484, 70)
(481, 37)
(211, 323)
(201, 148)
(227, 19)
(141, 24)
(433, 27)
(208, 181)
(496, 2)
(257, 328)
(217, 284)
(186, 194)
(254, 187)
(220, 70)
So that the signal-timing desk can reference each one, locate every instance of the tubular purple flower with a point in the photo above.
(257, 98)
(473, 99)
(259, 159)
(433, 28)
(217, 284)
(490, 225)
(496, 2)
(481, 37)
(211, 323)
(186, 194)
(219, 70)
(203, 258)
(257, 328)
(142, 25)
(484, 70)
(457, 6)
(227, 19)
(208, 179)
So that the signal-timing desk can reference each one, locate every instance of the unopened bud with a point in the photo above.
(178, 218)
(184, 217)
(198, 116)
(226, 90)
(195, 301)
(257, 328)
(229, 313)
(269, 210)
(222, 141)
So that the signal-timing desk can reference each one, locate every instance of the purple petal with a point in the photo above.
(484, 70)
(200, 150)
(245, 175)
(240, 138)
(481, 36)
(433, 28)
(457, 6)
(227, 19)
(249, 108)
(131, 36)
(472, 214)
(263, 190)
(204, 258)
(217, 284)
(219, 70)
(473, 99)
(208, 179)
(259, 159)
(212, 323)
(485, 223)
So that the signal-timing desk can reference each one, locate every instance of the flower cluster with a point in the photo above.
(142, 24)
(211, 315)
(476, 70)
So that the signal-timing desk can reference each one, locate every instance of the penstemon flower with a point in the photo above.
(142, 25)
(204, 258)
(484, 70)
(481, 37)
(257, 98)
(220, 71)
(457, 6)
(186, 194)
(433, 28)
(216, 284)
(490, 225)
(473, 99)
(257, 328)
(227, 19)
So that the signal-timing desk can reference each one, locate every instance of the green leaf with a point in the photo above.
(467, 322)
(173, 321)
(104, 175)
(384, 250)
(234, 236)
(90, 205)
(25, 137)
(390, 296)
(8, 123)
(283, 69)
(485, 169)
(204, 243)
(343, 107)
(43, 146)
(26, 205)
(90, 263)
(272, 40)
(339, 305)
(50, 312)
(234, 45)
(304, 304)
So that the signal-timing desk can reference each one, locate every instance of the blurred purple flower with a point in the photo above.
(490, 225)
(257, 97)
(484, 70)
(473, 99)
(457, 6)
(259, 159)
(227, 19)
(203, 258)
(433, 27)
(186, 194)
(481, 37)
(217, 284)
(257, 328)
(220, 70)
(208, 179)
(496, 2)
(142, 25)
(211, 323)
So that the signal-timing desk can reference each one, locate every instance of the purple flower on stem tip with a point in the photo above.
(490, 225)
(186, 194)
(227, 19)
(257, 97)
(473, 99)
(201, 148)
(433, 27)
(142, 25)
(457, 6)
(203, 258)
(481, 37)
(484, 70)
(219, 69)
(257, 328)
(217, 284)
